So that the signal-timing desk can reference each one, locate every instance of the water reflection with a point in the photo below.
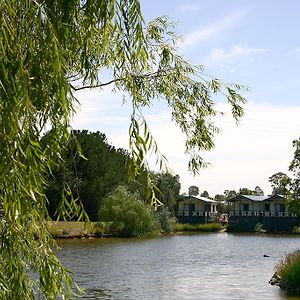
(206, 266)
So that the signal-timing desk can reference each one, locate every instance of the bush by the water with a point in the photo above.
(296, 229)
(210, 227)
(128, 214)
(163, 216)
(288, 271)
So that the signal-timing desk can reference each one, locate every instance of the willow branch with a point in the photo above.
(156, 74)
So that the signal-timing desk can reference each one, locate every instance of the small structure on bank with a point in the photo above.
(196, 210)
(270, 212)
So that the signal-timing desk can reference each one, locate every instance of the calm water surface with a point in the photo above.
(206, 266)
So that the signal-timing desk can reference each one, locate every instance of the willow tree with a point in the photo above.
(48, 50)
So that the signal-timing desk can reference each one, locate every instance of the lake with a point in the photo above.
(195, 266)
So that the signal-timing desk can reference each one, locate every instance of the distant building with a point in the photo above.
(196, 210)
(246, 211)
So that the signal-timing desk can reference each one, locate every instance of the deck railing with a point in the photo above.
(195, 213)
(255, 213)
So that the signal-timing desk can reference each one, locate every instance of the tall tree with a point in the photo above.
(168, 186)
(246, 191)
(258, 191)
(48, 50)
(205, 194)
(93, 175)
(193, 190)
(230, 194)
(292, 185)
(278, 183)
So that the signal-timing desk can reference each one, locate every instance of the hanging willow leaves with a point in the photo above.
(49, 49)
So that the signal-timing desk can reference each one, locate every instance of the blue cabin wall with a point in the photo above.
(270, 224)
(192, 220)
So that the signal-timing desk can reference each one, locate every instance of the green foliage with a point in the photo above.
(292, 185)
(71, 229)
(43, 45)
(230, 194)
(296, 229)
(258, 191)
(168, 188)
(92, 175)
(259, 227)
(209, 227)
(128, 214)
(49, 50)
(288, 270)
(278, 182)
(163, 216)
(193, 190)
(246, 191)
(204, 194)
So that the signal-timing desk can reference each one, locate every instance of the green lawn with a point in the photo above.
(77, 229)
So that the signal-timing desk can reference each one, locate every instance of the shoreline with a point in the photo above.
(94, 230)
(277, 281)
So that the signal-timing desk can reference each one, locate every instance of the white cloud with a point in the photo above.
(245, 155)
(212, 30)
(101, 110)
(236, 52)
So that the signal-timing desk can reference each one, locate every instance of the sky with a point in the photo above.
(254, 43)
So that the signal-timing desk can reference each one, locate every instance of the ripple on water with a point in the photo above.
(206, 266)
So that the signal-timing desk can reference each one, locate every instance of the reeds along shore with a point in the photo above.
(287, 275)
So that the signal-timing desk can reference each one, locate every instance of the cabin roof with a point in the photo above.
(256, 198)
(199, 199)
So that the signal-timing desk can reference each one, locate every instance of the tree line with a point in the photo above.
(97, 169)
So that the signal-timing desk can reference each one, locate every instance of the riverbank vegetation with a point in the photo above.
(209, 227)
(128, 214)
(72, 229)
(288, 273)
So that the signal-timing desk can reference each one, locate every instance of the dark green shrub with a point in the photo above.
(128, 214)
(163, 217)
(288, 270)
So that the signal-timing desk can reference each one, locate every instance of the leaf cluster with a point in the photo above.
(129, 215)
(90, 173)
(49, 49)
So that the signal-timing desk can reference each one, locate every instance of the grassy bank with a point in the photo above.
(70, 229)
(210, 227)
(101, 229)
(288, 272)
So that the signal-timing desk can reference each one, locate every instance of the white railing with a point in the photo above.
(261, 213)
(195, 213)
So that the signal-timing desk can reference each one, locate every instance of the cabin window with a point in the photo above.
(267, 206)
(245, 206)
(189, 207)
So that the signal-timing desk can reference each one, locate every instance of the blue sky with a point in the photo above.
(254, 43)
(251, 42)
